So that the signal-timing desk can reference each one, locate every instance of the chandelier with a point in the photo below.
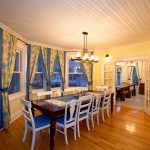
(86, 57)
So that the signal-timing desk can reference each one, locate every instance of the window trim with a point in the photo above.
(44, 85)
(22, 49)
(17, 72)
(68, 56)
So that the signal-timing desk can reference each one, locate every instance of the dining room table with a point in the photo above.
(55, 108)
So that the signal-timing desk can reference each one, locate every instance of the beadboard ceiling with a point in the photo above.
(60, 23)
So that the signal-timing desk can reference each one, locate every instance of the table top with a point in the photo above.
(55, 111)
(124, 86)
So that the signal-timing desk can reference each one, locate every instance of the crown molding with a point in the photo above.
(27, 41)
(131, 58)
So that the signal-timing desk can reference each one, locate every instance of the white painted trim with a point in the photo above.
(132, 58)
(147, 110)
(15, 116)
(15, 96)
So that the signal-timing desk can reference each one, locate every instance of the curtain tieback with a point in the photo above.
(90, 83)
(48, 83)
(3, 90)
(28, 83)
(63, 82)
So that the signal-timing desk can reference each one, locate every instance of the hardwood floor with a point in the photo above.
(125, 129)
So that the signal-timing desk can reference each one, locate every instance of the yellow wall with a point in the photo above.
(135, 50)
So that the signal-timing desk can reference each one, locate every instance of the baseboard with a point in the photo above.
(147, 111)
(15, 116)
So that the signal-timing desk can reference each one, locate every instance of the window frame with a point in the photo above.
(59, 73)
(44, 82)
(68, 57)
(22, 49)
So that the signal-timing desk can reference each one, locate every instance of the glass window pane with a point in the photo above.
(15, 84)
(74, 67)
(118, 78)
(40, 63)
(56, 80)
(57, 65)
(38, 81)
(78, 80)
(17, 62)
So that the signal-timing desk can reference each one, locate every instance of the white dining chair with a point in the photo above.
(83, 111)
(105, 102)
(94, 110)
(59, 93)
(35, 124)
(101, 88)
(45, 93)
(69, 119)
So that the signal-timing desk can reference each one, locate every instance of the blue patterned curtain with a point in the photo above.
(46, 65)
(8, 45)
(32, 54)
(87, 70)
(135, 76)
(53, 54)
(61, 56)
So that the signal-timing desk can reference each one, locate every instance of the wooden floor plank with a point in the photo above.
(125, 129)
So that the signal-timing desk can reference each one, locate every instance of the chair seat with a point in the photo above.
(40, 121)
(61, 119)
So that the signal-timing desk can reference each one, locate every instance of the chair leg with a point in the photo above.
(75, 132)
(87, 122)
(25, 133)
(108, 111)
(33, 139)
(103, 115)
(78, 129)
(65, 133)
(97, 117)
(92, 120)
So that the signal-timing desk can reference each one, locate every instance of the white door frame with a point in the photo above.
(139, 58)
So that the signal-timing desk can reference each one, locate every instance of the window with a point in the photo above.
(56, 77)
(119, 72)
(76, 76)
(135, 79)
(38, 78)
(15, 82)
(118, 78)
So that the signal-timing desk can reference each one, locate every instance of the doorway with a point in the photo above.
(130, 84)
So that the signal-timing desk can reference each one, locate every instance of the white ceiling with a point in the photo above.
(60, 23)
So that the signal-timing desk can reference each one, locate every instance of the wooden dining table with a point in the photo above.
(54, 111)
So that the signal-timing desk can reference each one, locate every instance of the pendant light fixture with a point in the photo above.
(87, 56)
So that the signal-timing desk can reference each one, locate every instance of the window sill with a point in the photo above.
(42, 90)
(37, 90)
(83, 88)
(15, 96)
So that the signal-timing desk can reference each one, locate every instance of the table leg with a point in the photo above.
(112, 102)
(32, 109)
(52, 134)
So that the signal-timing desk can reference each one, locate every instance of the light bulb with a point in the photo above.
(92, 57)
(78, 54)
(96, 59)
(86, 56)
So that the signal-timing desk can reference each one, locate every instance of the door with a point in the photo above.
(147, 87)
(109, 77)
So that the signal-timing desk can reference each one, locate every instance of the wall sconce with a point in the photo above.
(107, 57)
